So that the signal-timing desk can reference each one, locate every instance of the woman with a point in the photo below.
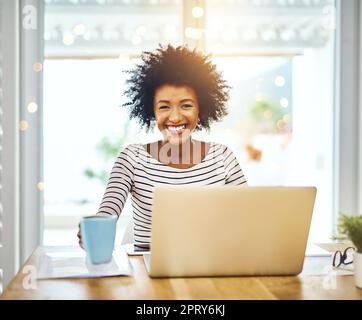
(181, 91)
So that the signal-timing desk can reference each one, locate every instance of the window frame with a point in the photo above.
(9, 261)
(347, 131)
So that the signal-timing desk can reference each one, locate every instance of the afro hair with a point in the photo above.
(176, 66)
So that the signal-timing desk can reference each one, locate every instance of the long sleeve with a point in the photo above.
(119, 184)
(234, 174)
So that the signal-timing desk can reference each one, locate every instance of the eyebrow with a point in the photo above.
(167, 101)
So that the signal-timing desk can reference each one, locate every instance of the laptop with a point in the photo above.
(229, 231)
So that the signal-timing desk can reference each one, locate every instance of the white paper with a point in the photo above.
(73, 263)
(322, 266)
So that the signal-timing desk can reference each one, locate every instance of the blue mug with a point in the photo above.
(98, 234)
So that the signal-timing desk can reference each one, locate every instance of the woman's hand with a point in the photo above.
(79, 235)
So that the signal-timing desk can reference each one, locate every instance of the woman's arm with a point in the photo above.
(119, 184)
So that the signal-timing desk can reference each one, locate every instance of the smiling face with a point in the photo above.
(176, 111)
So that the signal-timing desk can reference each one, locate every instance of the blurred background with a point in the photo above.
(278, 56)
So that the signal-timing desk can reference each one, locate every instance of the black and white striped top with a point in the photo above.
(135, 171)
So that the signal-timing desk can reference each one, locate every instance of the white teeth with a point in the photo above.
(176, 129)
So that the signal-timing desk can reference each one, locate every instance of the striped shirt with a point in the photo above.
(136, 172)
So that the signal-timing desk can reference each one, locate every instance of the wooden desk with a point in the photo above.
(140, 286)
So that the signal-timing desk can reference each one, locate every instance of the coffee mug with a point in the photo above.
(98, 234)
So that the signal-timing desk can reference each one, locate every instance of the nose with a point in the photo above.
(175, 115)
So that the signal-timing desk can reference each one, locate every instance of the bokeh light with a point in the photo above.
(279, 81)
(23, 125)
(32, 107)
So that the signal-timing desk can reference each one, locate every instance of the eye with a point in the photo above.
(187, 106)
(164, 107)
